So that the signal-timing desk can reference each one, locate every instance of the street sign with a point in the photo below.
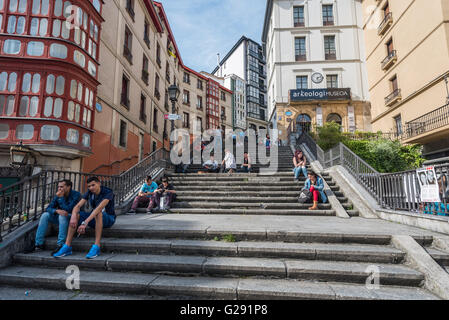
(172, 117)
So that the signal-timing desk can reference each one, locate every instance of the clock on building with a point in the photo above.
(317, 78)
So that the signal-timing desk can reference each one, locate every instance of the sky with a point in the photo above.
(203, 28)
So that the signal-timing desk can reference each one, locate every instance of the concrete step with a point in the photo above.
(439, 256)
(211, 194)
(242, 205)
(233, 178)
(258, 182)
(349, 272)
(239, 199)
(142, 286)
(245, 175)
(237, 188)
(244, 211)
(254, 249)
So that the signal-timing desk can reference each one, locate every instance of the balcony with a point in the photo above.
(146, 39)
(390, 60)
(145, 77)
(435, 119)
(330, 56)
(157, 94)
(392, 98)
(300, 23)
(127, 54)
(125, 101)
(385, 24)
(301, 57)
(130, 11)
(143, 117)
(329, 21)
(167, 76)
(159, 62)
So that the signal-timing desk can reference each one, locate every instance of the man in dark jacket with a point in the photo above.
(101, 200)
(165, 190)
(58, 213)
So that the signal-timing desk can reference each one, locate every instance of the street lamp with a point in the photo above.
(20, 156)
(173, 93)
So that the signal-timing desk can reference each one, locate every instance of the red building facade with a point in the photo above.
(49, 51)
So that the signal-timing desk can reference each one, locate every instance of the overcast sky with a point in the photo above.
(203, 28)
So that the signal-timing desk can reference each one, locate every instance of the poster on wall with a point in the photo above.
(351, 119)
(429, 184)
(319, 116)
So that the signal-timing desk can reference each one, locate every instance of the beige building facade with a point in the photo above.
(407, 48)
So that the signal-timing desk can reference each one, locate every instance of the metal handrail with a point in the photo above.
(24, 201)
(384, 21)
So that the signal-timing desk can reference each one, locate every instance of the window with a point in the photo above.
(223, 96)
(334, 117)
(4, 127)
(158, 55)
(12, 46)
(394, 83)
(328, 15)
(155, 118)
(92, 68)
(127, 48)
(302, 82)
(72, 136)
(24, 132)
(35, 49)
(7, 105)
(186, 97)
(199, 122)
(125, 92)
(58, 51)
(38, 27)
(143, 113)
(199, 102)
(86, 140)
(79, 58)
(156, 88)
(130, 8)
(398, 123)
(123, 134)
(298, 16)
(186, 78)
(332, 81)
(146, 33)
(58, 8)
(145, 74)
(154, 146)
(200, 85)
(300, 49)
(390, 47)
(186, 120)
(50, 133)
(329, 48)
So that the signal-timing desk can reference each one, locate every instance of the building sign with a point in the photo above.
(320, 94)
(172, 117)
(319, 116)
(288, 114)
(428, 184)
(351, 119)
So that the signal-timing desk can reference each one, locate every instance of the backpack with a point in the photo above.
(305, 196)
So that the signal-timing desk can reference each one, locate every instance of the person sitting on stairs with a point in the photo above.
(300, 162)
(315, 185)
(146, 192)
(211, 165)
(165, 191)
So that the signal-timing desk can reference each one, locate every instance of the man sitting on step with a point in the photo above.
(211, 165)
(228, 163)
(164, 191)
(146, 192)
(101, 200)
(58, 213)
(315, 185)
(246, 166)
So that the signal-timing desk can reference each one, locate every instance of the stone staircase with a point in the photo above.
(150, 256)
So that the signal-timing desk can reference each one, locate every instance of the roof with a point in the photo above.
(199, 75)
(170, 33)
(268, 12)
(243, 38)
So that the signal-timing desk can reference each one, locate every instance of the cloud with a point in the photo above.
(203, 28)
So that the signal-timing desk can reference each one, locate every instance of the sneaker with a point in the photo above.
(150, 211)
(132, 211)
(64, 251)
(94, 252)
(35, 248)
(56, 250)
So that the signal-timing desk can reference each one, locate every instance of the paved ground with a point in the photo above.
(305, 224)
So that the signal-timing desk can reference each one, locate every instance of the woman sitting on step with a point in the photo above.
(300, 162)
(315, 185)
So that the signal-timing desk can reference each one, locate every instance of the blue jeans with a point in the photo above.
(108, 220)
(298, 170)
(57, 219)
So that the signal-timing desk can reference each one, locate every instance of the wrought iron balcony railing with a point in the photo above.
(127, 54)
(430, 121)
(389, 60)
(393, 97)
(385, 24)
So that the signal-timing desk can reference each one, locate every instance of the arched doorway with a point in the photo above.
(334, 117)
(303, 123)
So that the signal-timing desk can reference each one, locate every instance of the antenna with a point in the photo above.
(218, 64)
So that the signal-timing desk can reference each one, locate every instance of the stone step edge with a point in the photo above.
(350, 272)
(207, 287)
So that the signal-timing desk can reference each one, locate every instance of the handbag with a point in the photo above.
(305, 196)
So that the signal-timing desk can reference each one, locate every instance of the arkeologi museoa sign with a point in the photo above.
(320, 94)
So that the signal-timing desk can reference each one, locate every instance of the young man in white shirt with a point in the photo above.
(229, 161)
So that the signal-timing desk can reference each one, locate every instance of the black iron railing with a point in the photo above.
(26, 200)
(396, 94)
(387, 19)
(430, 121)
(388, 58)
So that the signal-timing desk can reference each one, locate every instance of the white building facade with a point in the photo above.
(238, 86)
(316, 44)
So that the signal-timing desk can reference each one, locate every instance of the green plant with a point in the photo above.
(216, 239)
(329, 135)
(229, 238)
